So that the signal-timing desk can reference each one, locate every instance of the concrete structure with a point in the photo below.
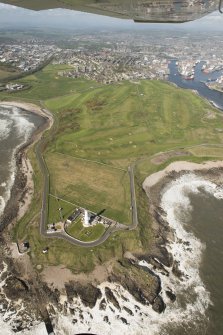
(86, 219)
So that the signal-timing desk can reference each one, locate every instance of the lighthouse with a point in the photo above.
(86, 218)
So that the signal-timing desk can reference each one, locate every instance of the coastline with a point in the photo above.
(27, 106)
(161, 263)
(22, 189)
(159, 260)
(179, 167)
(154, 186)
(121, 303)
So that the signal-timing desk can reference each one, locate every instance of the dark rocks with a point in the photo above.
(124, 320)
(124, 298)
(88, 293)
(106, 319)
(171, 295)
(110, 297)
(128, 310)
(176, 271)
(51, 310)
(72, 311)
(15, 288)
(17, 193)
(157, 265)
(158, 305)
(91, 316)
(141, 284)
(17, 327)
(52, 295)
(103, 305)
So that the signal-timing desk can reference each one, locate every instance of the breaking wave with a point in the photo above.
(188, 312)
(5, 127)
(16, 129)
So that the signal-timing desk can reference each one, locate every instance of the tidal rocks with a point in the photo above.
(158, 305)
(111, 298)
(142, 285)
(15, 288)
(124, 320)
(176, 271)
(128, 310)
(171, 295)
(103, 305)
(51, 295)
(106, 319)
(88, 293)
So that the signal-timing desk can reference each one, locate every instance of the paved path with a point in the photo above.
(133, 198)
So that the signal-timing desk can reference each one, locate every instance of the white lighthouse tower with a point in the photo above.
(86, 218)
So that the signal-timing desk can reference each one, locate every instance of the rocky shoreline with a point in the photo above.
(20, 187)
(15, 288)
(133, 290)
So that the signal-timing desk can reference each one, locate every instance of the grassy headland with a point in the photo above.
(98, 132)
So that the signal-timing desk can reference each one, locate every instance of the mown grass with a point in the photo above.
(56, 206)
(90, 185)
(86, 234)
(115, 125)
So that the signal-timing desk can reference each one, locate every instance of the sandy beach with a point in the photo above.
(29, 107)
(179, 166)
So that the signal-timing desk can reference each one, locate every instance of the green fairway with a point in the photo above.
(98, 132)
(117, 125)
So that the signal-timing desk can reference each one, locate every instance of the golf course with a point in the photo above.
(98, 132)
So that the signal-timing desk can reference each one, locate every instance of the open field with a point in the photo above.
(90, 185)
(54, 213)
(98, 133)
(7, 71)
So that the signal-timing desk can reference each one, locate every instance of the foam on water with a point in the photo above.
(5, 127)
(7, 193)
(193, 299)
(5, 328)
(23, 126)
(39, 329)
(12, 120)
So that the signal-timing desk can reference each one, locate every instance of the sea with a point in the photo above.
(16, 128)
(194, 209)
